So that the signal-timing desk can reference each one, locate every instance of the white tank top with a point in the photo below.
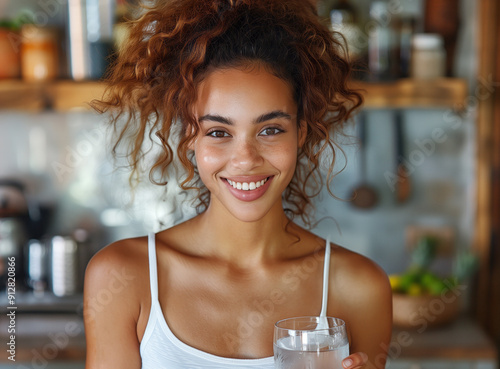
(161, 349)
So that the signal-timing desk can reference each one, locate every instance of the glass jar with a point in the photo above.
(39, 56)
(428, 60)
(10, 66)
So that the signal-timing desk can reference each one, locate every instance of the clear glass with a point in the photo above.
(299, 344)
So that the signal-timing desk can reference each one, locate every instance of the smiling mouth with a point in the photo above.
(247, 186)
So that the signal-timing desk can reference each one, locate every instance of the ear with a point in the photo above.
(302, 134)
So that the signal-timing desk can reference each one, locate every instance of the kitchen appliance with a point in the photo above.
(37, 266)
(64, 266)
(16, 215)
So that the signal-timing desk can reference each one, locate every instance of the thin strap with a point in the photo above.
(153, 274)
(326, 270)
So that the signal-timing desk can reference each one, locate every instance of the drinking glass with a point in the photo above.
(300, 344)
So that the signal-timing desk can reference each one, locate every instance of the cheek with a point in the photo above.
(285, 158)
(208, 160)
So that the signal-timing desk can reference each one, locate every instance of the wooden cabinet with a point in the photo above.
(487, 236)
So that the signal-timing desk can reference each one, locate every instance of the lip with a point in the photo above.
(248, 195)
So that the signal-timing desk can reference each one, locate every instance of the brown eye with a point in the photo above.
(271, 131)
(218, 134)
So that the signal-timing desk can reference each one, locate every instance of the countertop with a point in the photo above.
(462, 339)
(43, 338)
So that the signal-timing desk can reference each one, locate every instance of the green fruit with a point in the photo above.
(408, 279)
(428, 279)
(436, 287)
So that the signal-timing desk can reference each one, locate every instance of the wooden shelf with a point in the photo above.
(62, 95)
(66, 95)
(409, 93)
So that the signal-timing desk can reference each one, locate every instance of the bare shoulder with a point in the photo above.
(117, 273)
(116, 291)
(124, 261)
(122, 251)
(361, 277)
(358, 270)
(362, 296)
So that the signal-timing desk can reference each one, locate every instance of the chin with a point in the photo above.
(249, 212)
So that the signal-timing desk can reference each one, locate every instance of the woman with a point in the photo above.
(257, 88)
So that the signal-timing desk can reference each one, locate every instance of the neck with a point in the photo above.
(243, 243)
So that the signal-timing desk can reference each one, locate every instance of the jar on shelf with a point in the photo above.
(428, 60)
(39, 54)
(10, 66)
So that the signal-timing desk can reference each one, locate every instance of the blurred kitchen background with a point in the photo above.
(423, 156)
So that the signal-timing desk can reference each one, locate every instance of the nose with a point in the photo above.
(246, 155)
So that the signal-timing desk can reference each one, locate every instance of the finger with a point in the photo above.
(356, 360)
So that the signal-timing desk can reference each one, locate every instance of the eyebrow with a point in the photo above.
(260, 119)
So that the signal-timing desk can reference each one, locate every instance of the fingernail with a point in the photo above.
(347, 363)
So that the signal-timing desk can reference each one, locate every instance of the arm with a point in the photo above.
(368, 312)
(111, 309)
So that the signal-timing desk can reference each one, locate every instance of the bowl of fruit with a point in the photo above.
(421, 297)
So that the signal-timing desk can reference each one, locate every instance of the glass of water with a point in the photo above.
(300, 344)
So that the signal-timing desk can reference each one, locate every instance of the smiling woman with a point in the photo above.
(248, 134)
(259, 88)
(175, 45)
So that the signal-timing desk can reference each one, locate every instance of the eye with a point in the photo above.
(271, 131)
(218, 134)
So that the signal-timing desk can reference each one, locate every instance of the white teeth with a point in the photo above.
(247, 186)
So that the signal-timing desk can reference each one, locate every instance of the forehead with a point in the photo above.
(233, 90)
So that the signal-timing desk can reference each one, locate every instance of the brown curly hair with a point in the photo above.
(153, 82)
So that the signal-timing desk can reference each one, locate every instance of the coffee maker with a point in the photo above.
(19, 220)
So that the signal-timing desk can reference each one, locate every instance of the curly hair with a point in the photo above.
(153, 82)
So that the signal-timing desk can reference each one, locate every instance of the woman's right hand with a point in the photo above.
(356, 360)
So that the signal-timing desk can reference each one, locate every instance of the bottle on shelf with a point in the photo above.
(344, 20)
(90, 28)
(406, 27)
(383, 59)
(442, 17)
